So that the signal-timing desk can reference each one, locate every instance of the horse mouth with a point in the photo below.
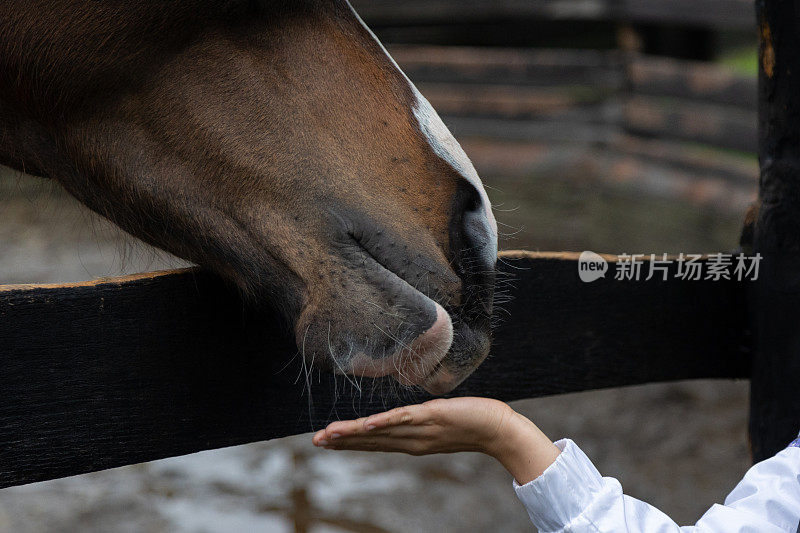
(431, 360)
(414, 363)
(438, 381)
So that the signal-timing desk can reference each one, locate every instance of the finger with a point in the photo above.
(383, 444)
(319, 438)
(393, 432)
(409, 415)
(343, 428)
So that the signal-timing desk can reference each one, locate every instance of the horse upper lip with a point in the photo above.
(421, 266)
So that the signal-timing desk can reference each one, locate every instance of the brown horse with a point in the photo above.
(276, 143)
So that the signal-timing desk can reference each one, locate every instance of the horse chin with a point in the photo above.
(464, 357)
(445, 376)
(412, 363)
(432, 362)
(442, 382)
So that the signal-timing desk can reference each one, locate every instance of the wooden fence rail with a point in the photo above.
(119, 371)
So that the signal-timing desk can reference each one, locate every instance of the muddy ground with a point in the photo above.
(681, 446)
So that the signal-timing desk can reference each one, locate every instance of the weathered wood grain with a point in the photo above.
(122, 371)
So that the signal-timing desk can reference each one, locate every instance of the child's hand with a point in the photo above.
(438, 426)
(446, 426)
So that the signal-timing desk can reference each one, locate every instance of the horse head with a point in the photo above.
(277, 144)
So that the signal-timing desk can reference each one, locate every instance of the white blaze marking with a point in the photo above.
(447, 147)
(442, 141)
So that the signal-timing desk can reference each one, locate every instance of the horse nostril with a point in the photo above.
(480, 237)
(473, 229)
(474, 234)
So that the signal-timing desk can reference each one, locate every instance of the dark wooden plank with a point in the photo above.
(721, 126)
(692, 80)
(576, 75)
(600, 70)
(775, 299)
(123, 371)
(722, 14)
(691, 159)
(581, 126)
(522, 32)
(690, 173)
(534, 103)
(389, 12)
(653, 178)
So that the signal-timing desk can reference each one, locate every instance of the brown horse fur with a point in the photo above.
(275, 143)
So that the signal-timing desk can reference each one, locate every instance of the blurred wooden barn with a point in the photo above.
(653, 96)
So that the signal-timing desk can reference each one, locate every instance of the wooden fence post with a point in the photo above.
(774, 300)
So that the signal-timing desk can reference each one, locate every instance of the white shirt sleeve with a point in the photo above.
(572, 496)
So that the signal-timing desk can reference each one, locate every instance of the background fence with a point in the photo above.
(638, 93)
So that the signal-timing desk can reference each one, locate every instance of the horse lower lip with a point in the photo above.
(440, 382)
(416, 380)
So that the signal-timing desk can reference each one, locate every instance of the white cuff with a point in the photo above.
(564, 490)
